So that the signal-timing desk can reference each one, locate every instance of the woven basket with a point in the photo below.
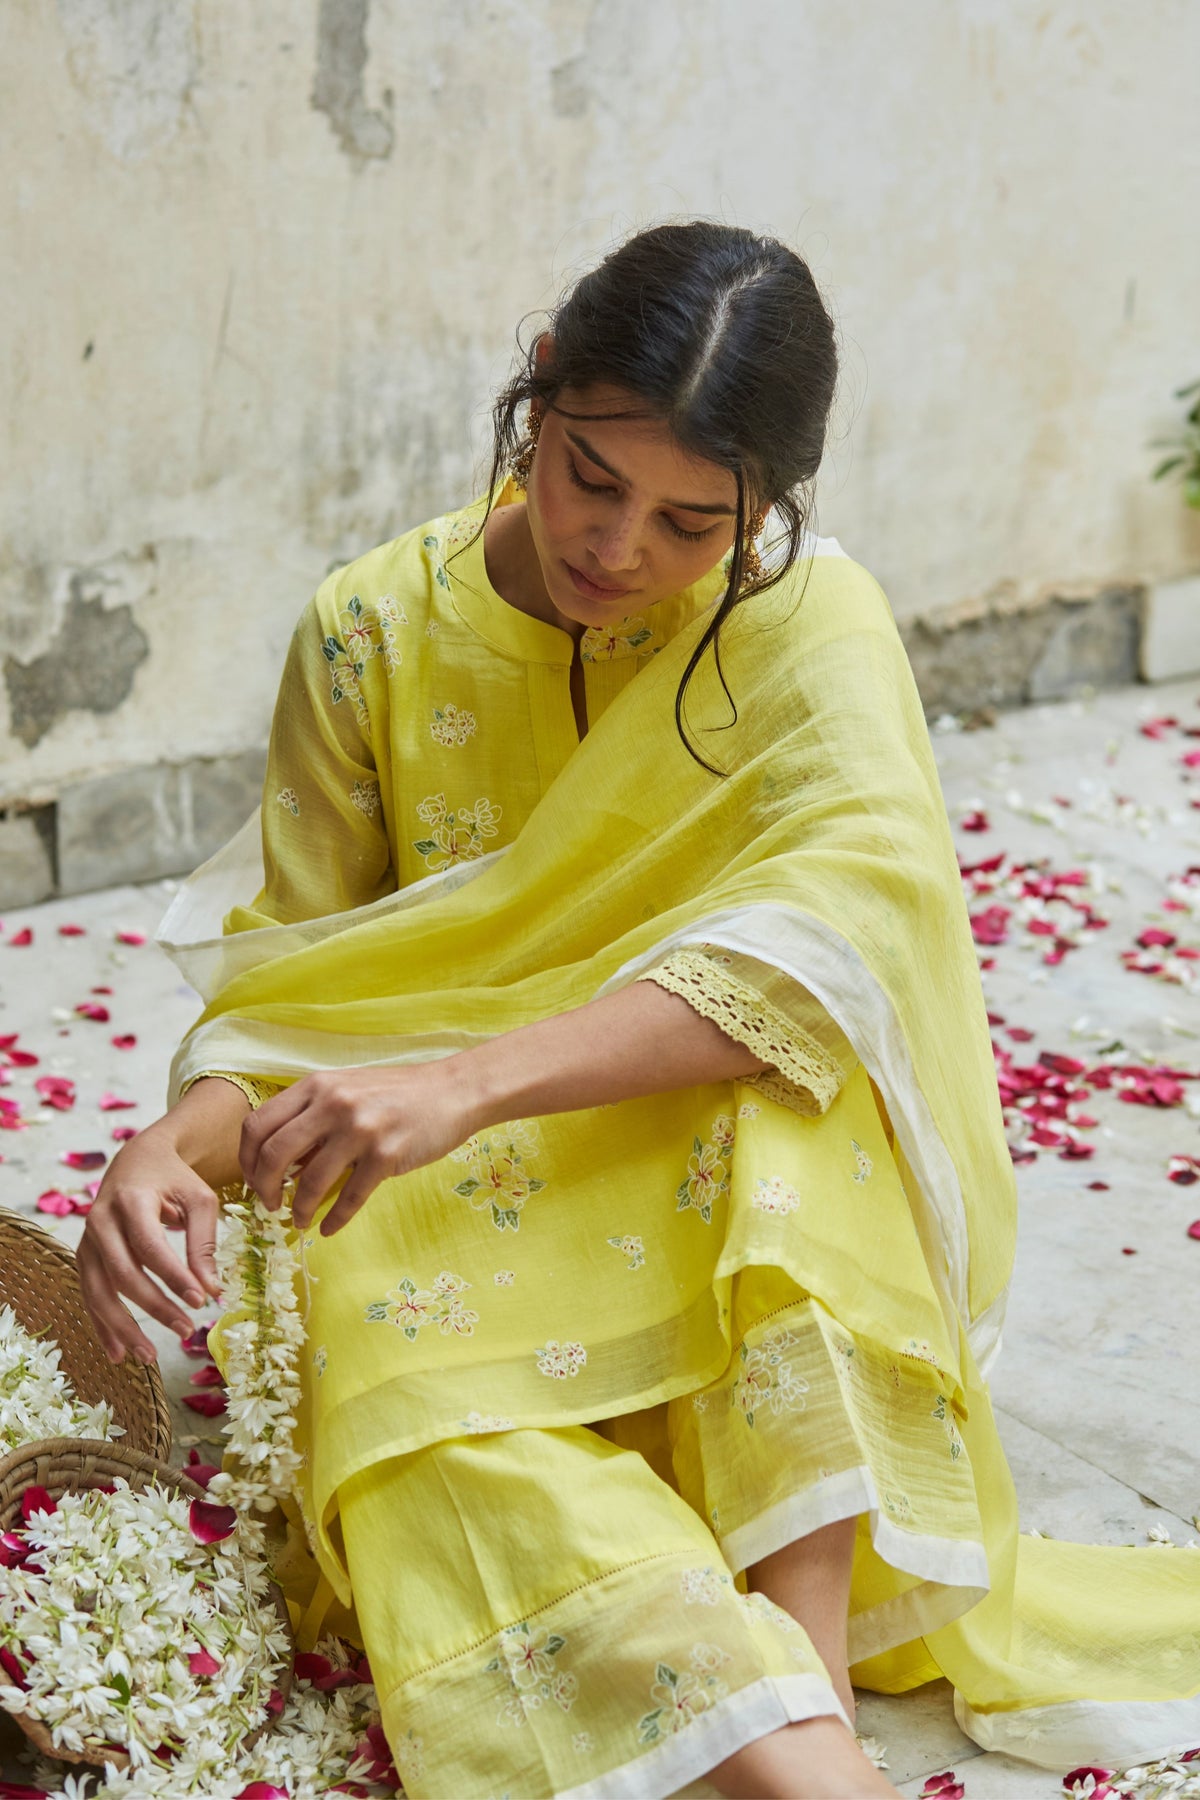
(67, 1465)
(38, 1279)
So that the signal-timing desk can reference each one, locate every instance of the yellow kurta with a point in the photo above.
(769, 1289)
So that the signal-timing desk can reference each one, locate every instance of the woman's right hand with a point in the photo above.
(148, 1189)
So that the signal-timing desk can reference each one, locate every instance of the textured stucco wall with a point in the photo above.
(268, 260)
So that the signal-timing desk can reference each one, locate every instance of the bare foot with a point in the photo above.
(816, 1759)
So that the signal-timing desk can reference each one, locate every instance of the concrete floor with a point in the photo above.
(1097, 1385)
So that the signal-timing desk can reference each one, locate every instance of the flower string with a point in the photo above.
(36, 1399)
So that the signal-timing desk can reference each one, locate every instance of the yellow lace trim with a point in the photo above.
(255, 1088)
(803, 1075)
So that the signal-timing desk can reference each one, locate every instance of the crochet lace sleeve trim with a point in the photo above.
(803, 1075)
(255, 1089)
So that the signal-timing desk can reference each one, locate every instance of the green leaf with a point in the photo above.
(466, 1188)
(665, 1672)
(554, 1644)
(1182, 393)
(424, 845)
(354, 608)
(535, 1186)
(697, 1146)
(441, 577)
(1165, 467)
(119, 1686)
(431, 543)
(1191, 490)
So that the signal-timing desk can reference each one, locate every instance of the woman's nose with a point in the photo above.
(617, 548)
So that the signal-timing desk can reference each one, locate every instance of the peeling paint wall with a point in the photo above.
(271, 259)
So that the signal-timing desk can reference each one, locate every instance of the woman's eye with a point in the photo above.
(589, 487)
(692, 537)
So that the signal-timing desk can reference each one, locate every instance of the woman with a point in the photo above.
(647, 1105)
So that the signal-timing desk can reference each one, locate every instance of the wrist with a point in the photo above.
(484, 1081)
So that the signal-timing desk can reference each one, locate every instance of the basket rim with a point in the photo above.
(148, 1376)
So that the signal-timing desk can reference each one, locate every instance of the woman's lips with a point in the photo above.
(591, 590)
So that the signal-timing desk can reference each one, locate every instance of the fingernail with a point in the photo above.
(145, 1353)
(194, 1297)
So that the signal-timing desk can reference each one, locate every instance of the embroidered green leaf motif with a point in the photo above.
(410, 1332)
(554, 1644)
(505, 1219)
(639, 637)
(332, 648)
(441, 577)
(683, 1197)
(665, 1672)
(535, 1186)
(466, 1188)
(697, 1146)
(648, 1732)
(376, 1311)
(431, 543)
(355, 607)
(423, 847)
(706, 1212)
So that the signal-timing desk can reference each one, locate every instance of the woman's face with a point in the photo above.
(620, 513)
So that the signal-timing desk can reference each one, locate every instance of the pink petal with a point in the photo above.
(210, 1523)
(211, 1404)
(92, 1009)
(84, 1159)
(263, 1790)
(124, 1041)
(22, 1059)
(110, 1103)
(975, 821)
(122, 1133)
(22, 940)
(275, 1703)
(310, 1667)
(1155, 938)
(17, 1790)
(1099, 1185)
(56, 1091)
(131, 937)
(1193, 1229)
(14, 1669)
(36, 1499)
(202, 1662)
(72, 931)
(52, 1201)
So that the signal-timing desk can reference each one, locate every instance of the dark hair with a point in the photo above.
(722, 334)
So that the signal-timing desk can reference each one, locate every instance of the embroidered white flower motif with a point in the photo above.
(748, 1110)
(451, 726)
(581, 1741)
(289, 800)
(497, 1178)
(897, 1503)
(365, 796)
(723, 1131)
(601, 643)
(702, 1587)
(433, 627)
(503, 1277)
(681, 1695)
(759, 1607)
(455, 836)
(921, 1348)
(410, 1308)
(767, 1379)
(774, 1196)
(320, 1359)
(632, 1248)
(408, 1754)
(699, 1402)
(560, 1361)
(526, 1658)
(476, 1423)
(862, 1160)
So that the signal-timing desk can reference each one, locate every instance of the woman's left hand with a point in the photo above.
(364, 1124)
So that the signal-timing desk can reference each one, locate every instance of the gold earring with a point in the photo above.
(521, 465)
(751, 560)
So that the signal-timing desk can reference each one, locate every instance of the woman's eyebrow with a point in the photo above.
(696, 506)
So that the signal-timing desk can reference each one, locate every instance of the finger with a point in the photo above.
(360, 1184)
(261, 1122)
(123, 1275)
(144, 1240)
(265, 1163)
(320, 1175)
(200, 1209)
(118, 1330)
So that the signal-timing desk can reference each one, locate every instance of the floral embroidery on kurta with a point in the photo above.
(503, 1277)
(455, 836)
(601, 643)
(767, 1379)
(365, 796)
(863, 1163)
(345, 672)
(408, 1753)
(411, 1308)
(434, 546)
(897, 1503)
(320, 1359)
(527, 1657)
(774, 1195)
(497, 1179)
(681, 1695)
(703, 1587)
(451, 726)
(748, 1110)
(630, 1247)
(707, 1176)
(290, 800)
(943, 1412)
(476, 1423)
(560, 1361)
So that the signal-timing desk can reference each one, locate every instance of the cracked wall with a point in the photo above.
(272, 258)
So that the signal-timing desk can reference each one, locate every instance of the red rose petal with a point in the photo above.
(202, 1662)
(131, 937)
(36, 1499)
(207, 1377)
(197, 1343)
(1099, 1185)
(122, 1133)
(210, 1523)
(72, 931)
(124, 1041)
(210, 1404)
(56, 1091)
(110, 1103)
(263, 1790)
(1193, 1229)
(19, 1790)
(92, 1009)
(22, 940)
(200, 1472)
(22, 1059)
(310, 1667)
